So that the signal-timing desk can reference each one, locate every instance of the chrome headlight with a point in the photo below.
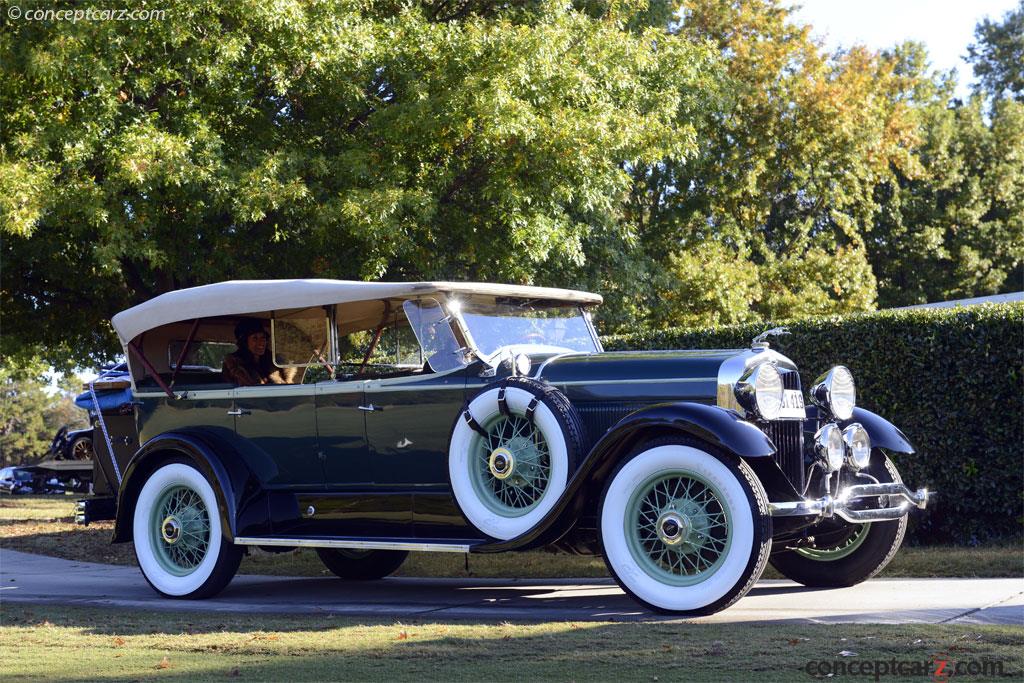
(522, 364)
(835, 392)
(858, 445)
(828, 443)
(760, 391)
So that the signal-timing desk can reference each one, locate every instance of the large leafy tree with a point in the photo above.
(769, 219)
(998, 55)
(342, 138)
(951, 223)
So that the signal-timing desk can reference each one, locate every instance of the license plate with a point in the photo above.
(793, 404)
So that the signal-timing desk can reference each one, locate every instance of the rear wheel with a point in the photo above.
(845, 553)
(179, 541)
(361, 565)
(684, 529)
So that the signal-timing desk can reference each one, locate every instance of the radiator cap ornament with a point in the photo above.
(761, 340)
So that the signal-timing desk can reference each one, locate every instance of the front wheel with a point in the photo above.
(179, 541)
(845, 553)
(685, 530)
(361, 565)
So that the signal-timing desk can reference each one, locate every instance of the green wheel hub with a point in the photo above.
(678, 530)
(844, 549)
(511, 467)
(180, 530)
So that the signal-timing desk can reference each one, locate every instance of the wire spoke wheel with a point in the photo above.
(511, 467)
(838, 552)
(677, 527)
(180, 530)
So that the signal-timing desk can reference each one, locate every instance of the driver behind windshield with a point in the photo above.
(251, 364)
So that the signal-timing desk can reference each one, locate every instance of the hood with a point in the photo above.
(642, 376)
(653, 376)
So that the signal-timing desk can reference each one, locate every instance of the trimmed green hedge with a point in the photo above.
(951, 379)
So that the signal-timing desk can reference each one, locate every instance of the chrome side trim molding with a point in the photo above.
(353, 543)
(839, 506)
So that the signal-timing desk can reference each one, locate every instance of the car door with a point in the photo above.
(277, 422)
(408, 425)
(362, 498)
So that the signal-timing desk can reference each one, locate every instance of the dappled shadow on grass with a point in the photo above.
(66, 540)
(180, 646)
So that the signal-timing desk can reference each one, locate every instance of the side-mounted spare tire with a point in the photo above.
(512, 452)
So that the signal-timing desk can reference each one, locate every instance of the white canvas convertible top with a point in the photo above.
(240, 297)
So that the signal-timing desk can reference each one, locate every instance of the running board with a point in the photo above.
(357, 544)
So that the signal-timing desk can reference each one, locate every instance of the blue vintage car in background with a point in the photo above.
(481, 418)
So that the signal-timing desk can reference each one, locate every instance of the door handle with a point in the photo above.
(370, 408)
(239, 411)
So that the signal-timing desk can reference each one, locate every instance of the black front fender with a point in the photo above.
(884, 434)
(716, 426)
(237, 488)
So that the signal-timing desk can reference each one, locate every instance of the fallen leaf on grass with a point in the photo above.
(118, 641)
(666, 648)
(797, 641)
(402, 635)
(164, 663)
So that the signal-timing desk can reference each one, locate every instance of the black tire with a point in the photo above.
(745, 527)
(851, 553)
(361, 565)
(507, 415)
(217, 562)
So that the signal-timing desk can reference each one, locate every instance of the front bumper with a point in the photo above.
(840, 506)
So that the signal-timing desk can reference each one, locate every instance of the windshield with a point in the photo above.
(542, 326)
(434, 333)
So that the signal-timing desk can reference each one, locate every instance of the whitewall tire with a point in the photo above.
(685, 530)
(179, 540)
(512, 452)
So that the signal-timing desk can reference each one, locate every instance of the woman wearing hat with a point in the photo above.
(251, 364)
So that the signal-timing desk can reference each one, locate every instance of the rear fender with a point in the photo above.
(239, 493)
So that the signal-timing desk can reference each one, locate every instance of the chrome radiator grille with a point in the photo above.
(788, 437)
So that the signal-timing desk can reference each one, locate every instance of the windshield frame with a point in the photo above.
(454, 308)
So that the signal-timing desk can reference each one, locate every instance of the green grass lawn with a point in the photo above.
(70, 643)
(45, 525)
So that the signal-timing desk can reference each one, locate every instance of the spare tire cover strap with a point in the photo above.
(532, 408)
(474, 425)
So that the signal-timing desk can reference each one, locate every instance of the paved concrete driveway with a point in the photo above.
(34, 579)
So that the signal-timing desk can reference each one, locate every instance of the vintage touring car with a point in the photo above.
(481, 418)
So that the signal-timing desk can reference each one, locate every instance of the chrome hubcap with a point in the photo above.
(170, 529)
(673, 528)
(501, 463)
